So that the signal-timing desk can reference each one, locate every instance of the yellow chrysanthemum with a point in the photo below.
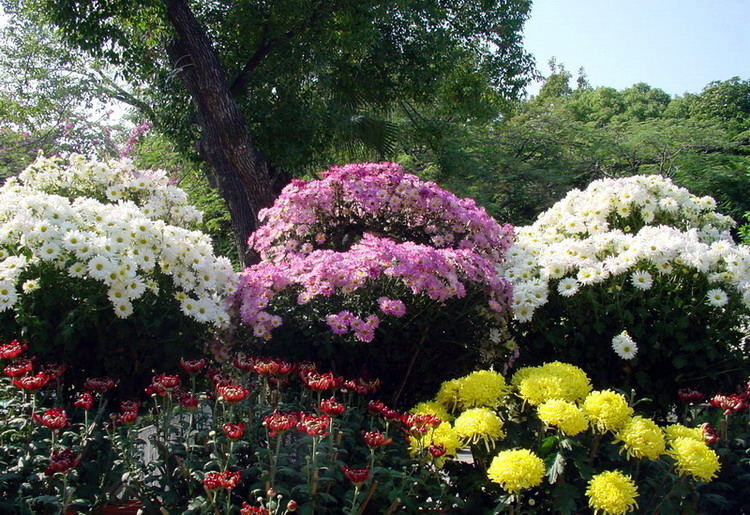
(679, 431)
(564, 415)
(642, 438)
(448, 394)
(694, 458)
(432, 408)
(612, 492)
(443, 435)
(516, 470)
(479, 424)
(607, 410)
(482, 388)
(553, 380)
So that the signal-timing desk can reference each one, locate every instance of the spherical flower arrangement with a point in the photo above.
(607, 410)
(612, 492)
(122, 246)
(694, 458)
(479, 425)
(516, 470)
(554, 380)
(641, 438)
(564, 415)
(483, 388)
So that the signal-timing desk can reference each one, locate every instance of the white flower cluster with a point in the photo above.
(637, 227)
(624, 345)
(112, 181)
(116, 244)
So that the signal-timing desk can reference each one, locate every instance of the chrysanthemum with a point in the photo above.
(432, 408)
(641, 279)
(553, 380)
(479, 424)
(564, 415)
(717, 297)
(612, 492)
(679, 431)
(694, 458)
(447, 395)
(516, 470)
(568, 287)
(482, 388)
(443, 436)
(642, 438)
(607, 410)
(624, 345)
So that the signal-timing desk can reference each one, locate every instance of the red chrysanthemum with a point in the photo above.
(729, 403)
(32, 383)
(232, 392)
(226, 479)
(18, 368)
(62, 461)
(233, 431)
(12, 349)
(249, 510)
(245, 363)
(278, 422)
(192, 367)
(99, 384)
(53, 418)
(314, 425)
(375, 439)
(331, 407)
(690, 396)
(321, 382)
(356, 476)
(84, 400)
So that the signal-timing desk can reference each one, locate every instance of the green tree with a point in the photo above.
(265, 90)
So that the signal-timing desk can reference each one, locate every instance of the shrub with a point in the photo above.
(638, 280)
(361, 267)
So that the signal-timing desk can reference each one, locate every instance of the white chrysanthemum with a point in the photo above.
(568, 287)
(717, 297)
(624, 345)
(30, 286)
(641, 279)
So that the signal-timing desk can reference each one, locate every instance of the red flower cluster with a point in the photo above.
(163, 384)
(244, 363)
(314, 425)
(18, 368)
(375, 439)
(272, 367)
(331, 407)
(53, 418)
(356, 476)
(378, 408)
(61, 461)
(249, 510)
(417, 424)
(12, 349)
(32, 383)
(84, 400)
(192, 367)
(226, 479)
(231, 392)
(361, 386)
(321, 382)
(129, 412)
(729, 403)
(278, 422)
(99, 384)
(690, 396)
(187, 400)
(233, 431)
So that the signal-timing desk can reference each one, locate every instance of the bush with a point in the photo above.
(90, 270)
(639, 281)
(360, 268)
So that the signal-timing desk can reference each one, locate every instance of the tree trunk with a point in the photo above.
(242, 173)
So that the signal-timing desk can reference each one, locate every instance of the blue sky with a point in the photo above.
(676, 45)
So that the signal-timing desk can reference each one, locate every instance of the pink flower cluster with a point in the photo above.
(374, 262)
(348, 201)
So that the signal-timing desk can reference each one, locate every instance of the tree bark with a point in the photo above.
(242, 172)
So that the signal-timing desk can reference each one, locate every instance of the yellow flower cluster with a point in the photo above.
(516, 470)
(612, 492)
(448, 394)
(642, 438)
(554, 380)
(679, 431)
(483, 388)
(607, 410)
(564, 415)
(479, 425)
(432, 408)
(694, 458)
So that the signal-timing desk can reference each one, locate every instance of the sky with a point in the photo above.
(676, 45)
